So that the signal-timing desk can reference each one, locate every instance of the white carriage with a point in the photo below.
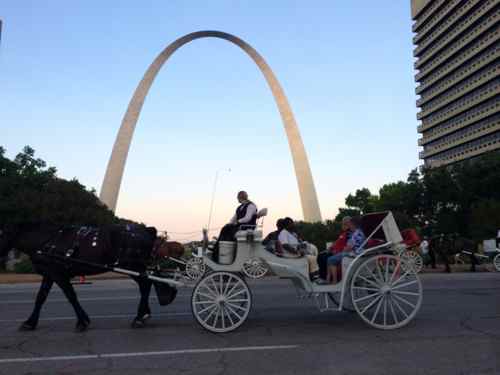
(376, 284)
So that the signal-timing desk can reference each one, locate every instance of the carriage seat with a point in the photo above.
(260, 215)
(251, 232)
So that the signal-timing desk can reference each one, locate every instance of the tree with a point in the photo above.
(318, 233)
(362, 201)
(484, 219)
(31, 192)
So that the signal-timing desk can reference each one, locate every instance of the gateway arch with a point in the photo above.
(116, 165)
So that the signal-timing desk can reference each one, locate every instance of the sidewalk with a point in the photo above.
(16, 278)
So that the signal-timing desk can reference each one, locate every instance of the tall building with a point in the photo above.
(457, 51)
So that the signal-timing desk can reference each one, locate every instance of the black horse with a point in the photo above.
(448, 245)
(61, 253)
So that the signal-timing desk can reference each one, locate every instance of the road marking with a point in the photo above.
(147, 354)
(115, 316)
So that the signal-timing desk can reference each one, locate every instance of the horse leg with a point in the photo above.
(68, 290)
(143, 311)
(444, 257)
(41, 297)
(473, 261)
(432, 256)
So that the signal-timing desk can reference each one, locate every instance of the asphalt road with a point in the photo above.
(457, 331)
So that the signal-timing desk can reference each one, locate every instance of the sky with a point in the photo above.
(69, 69)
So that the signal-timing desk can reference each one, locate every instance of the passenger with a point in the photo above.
(295, 248)
(246, 214)
(353, 247)
(272, 238)
(337, 247)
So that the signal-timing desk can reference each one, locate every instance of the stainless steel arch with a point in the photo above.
(114, 172)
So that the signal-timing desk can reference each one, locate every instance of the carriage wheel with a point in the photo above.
(221, 301)
(496, 262)
(255, 268)
(195, 268)
(412, 260)
(383, 296)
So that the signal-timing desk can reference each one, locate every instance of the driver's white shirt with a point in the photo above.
(287, 238)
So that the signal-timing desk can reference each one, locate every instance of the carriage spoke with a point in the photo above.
(394, 273)
(373, 275)
(386, 277)
(366, 288)
(402, 277)
(223, 317)
(404, 301)
(233, 311)
(385, 310)
(367, 297)
(215, 287)
(221, 284)
(208, 289)
(203, 302)
(228, 314)
(207, 318)
(395, 286)
(206, 308)
(400, 308)
(232, 288)
(394, 316)
(207, 295)
(233, 305)
(216, 317)
(226, 288)
(371, 303)
(377, 309)
(237, 293)
(379, 272)
(238, 300)
(369, 281)
(405, 293)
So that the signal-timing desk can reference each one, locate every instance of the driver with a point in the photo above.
(246, 214)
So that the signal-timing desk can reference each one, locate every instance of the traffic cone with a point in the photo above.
(81, 281)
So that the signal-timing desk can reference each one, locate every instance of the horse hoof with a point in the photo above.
(138, 323)
(81, 326)
(27, 327)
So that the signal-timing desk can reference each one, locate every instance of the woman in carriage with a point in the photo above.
(354, 247)
(290, 245)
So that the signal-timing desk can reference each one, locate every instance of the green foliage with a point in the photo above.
(484, 218)
(463, 198)
(362, 201)
(31, 192)
(318, 233)
(24, 266)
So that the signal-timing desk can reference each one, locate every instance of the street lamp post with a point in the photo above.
(213, 197)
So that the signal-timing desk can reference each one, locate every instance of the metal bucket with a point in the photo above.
(226, 252)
